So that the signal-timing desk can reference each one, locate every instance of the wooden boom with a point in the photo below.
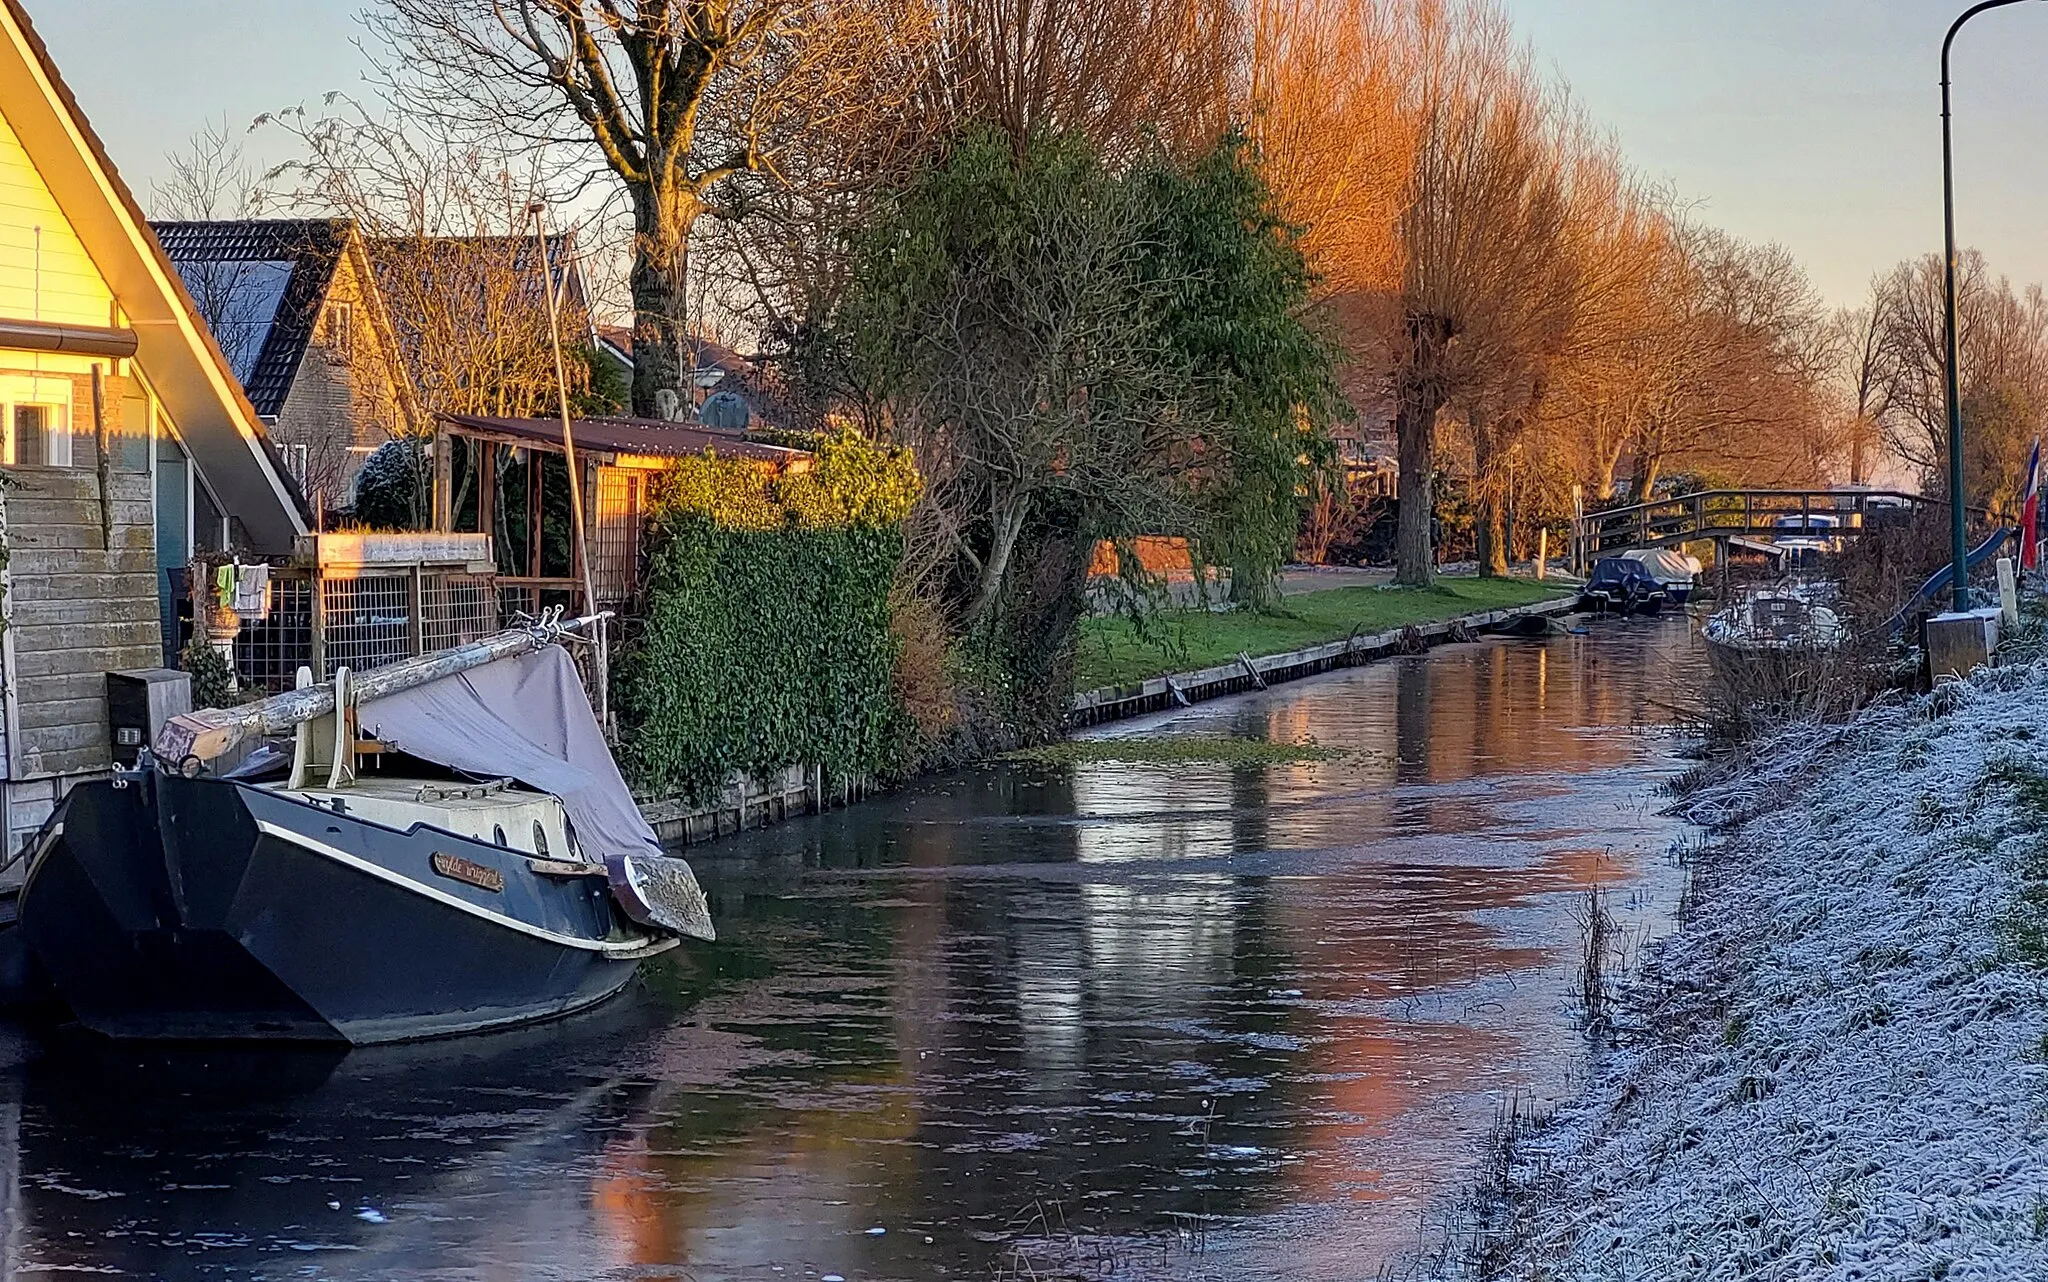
(211, 732)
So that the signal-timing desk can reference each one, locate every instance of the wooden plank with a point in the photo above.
(73, 738)
(57, 713)
(77, 538)
(68, 761)
(61, 612)
(30, 513)
(130, 581)
(69, 685)
(86, 638)
(143, 649)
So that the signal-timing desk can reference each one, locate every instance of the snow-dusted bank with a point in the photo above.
(1835, 1068)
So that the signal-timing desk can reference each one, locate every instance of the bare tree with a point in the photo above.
(1485, 272)
(1865, 377)
(2003, 337)
(672, 97)
(1120, 73)
(1127, 75)
(210, 178)
(1323, 90)
(450, 240)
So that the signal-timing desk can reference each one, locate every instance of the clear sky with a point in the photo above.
(1814, 123)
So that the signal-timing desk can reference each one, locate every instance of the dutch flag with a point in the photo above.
(2030, 511)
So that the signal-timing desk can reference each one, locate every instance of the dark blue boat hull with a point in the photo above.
(207, 909)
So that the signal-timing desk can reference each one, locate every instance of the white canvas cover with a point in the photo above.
(1666, 565)
(526, 718)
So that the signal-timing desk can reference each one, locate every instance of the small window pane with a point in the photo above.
(31, 434)
(37, 436)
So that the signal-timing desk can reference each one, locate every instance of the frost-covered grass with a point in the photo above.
(1835, 1069)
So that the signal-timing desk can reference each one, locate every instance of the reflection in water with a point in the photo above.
(1220, 1021)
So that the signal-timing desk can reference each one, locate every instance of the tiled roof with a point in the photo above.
(263, 281)
(705, 353)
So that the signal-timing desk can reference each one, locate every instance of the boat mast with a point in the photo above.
(538, 210)
(208, 733)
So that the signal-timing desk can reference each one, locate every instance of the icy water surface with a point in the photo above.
(1187, 1022)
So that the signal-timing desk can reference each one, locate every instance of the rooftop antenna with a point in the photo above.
(537, 210)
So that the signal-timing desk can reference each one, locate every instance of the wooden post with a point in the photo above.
(319, 647)
(1542, 551)
(103, 444)
(588, 466)
(444, 480)
(536, 479)
(415, 609)
(487, 492)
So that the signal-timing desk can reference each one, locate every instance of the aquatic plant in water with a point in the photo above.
(1169, 750)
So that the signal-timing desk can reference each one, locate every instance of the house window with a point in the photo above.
(38, 435)
(341, 329)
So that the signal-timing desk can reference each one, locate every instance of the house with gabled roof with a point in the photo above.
(727, 390)
(126, 442)
(294, 306)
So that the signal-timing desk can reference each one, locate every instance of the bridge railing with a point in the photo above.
(1718, 514)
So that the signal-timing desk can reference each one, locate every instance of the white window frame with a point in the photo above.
(50, 392)
(341, 328)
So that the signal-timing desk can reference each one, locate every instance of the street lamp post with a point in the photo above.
(1959, 537)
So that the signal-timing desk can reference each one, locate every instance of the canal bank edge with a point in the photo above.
(748, 802)
(1835, 1066)
(1115, 703)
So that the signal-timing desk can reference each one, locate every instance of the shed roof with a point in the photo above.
(260, 283)
(644, 436)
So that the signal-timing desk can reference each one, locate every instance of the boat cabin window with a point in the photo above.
(540, 840)
(498, 833)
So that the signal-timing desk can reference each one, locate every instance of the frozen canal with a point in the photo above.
(1161, 1021)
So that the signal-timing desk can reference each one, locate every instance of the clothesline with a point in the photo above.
(245, 589)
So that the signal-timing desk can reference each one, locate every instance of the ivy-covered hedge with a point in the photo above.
(766, 637)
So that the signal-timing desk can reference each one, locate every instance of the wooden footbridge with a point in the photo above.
(1740, 516)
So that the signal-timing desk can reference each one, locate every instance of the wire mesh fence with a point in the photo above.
(456, 608)
(364, 621)
(269, 651)
(368, 621)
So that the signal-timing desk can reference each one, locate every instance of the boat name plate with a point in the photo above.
(468, 871)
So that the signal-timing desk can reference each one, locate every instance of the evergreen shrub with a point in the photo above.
(765, 640)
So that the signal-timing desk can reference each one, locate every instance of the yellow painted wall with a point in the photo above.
(55, 281)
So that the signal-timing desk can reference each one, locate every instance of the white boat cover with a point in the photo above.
(1666, 565)
(526, 718)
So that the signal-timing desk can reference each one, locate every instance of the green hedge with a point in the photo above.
(766, 637)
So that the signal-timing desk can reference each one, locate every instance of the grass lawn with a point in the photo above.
(1112, 652)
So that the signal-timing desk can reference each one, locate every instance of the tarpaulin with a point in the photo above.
(526, 718)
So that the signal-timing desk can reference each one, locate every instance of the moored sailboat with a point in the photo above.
(448, 848)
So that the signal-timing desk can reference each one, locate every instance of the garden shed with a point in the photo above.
(506, 477)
